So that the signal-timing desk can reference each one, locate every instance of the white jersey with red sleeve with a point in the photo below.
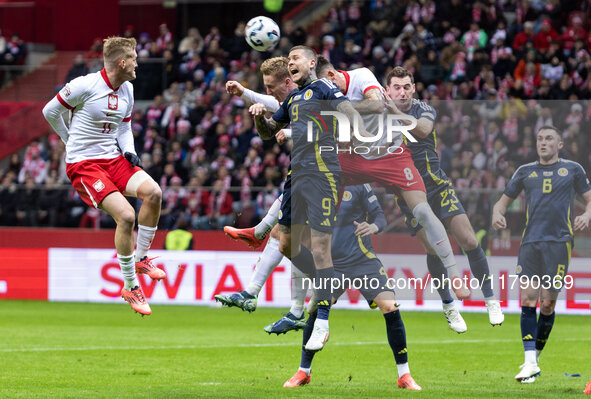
(358, 82)
(100, 117)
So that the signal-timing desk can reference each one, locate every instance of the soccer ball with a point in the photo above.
(262, 33)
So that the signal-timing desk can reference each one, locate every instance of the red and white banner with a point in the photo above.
(194, 277)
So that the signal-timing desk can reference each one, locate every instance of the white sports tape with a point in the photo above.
(135, 182)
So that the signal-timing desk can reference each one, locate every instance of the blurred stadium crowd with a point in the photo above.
(509, 66)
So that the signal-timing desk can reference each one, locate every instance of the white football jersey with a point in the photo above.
(97, 113)
(359, 81)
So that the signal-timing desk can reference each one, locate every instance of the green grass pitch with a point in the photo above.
(81, 350)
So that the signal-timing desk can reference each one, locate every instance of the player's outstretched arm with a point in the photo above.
(499, 210)
(235, 88)
(582, 221)
(267, 127)
(52, 112)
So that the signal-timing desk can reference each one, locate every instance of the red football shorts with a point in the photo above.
(395, 172)
(94, 179)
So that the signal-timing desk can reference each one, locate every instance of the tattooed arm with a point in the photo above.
(267, 127)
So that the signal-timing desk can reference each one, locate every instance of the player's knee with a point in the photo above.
(321, 252)
(529, 302)
(154, 196)
(468, 243)
(546, 307)
(422, 213)
(387, 306)
(126, 218)
(275, 233)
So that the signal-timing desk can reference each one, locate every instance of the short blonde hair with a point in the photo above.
(116, 48)
(276, 66)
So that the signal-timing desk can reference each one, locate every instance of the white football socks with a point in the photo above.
(127, 264)
(145, 235)
(266, 263)
(437, 237)
(269, 220)
(530, 357)
(402, 369)
(298, 292)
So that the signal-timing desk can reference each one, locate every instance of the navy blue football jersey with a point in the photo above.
(302, 109)
(358, 204)
(549, 195)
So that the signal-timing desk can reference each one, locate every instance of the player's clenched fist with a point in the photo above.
(257, 109)
(234, 88)
(281, 137)
(498, 221)
(133, 159)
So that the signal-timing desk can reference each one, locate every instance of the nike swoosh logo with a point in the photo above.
(410, 184)
(108, 114)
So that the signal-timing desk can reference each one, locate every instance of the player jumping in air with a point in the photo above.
(312, 186)
(102, 163)
(278, 84)
(394, 171)
(550, 185)
(391, 170)
(360, 216)
(442, 198)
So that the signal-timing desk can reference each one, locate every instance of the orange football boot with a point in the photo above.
(146, 266)
(300, 378)
(246, 235)
(136, 299)
(407, 382)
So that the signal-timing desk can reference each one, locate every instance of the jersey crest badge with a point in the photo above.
(308, 94)
(562, 172)
(98, 186)
(113, 101)
(66, 91)
(347, 196)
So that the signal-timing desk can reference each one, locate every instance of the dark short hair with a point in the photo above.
(308, 50)
(550, 127)
(323, 65)
(399, 72)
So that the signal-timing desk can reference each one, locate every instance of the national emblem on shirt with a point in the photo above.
(113, 101)
(562, 172)
(98, 186)
(65, 92)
